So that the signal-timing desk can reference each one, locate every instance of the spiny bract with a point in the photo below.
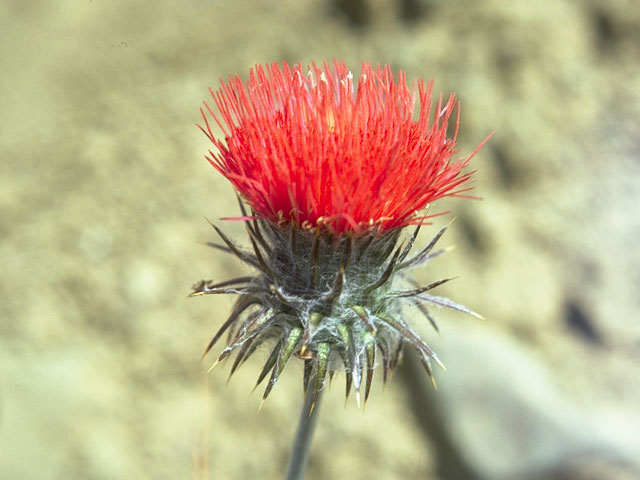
(328, 299)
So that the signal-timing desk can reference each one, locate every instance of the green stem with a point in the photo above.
(302, 441)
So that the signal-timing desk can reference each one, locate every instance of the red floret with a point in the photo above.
(314, 148)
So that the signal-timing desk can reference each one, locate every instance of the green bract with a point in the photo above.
(333, 301)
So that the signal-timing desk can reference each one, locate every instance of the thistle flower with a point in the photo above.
(331, 172)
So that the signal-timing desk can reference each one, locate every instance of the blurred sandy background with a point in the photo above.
(102, 197)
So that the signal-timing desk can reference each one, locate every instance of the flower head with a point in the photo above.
(330, 170)
(315, 148)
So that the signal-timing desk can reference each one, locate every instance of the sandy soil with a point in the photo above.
(104, 189)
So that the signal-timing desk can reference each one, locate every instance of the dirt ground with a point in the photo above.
(104, 188)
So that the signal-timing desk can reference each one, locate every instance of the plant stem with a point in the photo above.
(302, 441)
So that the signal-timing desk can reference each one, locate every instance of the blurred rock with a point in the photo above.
(511, 420)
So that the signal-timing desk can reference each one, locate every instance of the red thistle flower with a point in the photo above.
(313, 148)
(330, 171)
